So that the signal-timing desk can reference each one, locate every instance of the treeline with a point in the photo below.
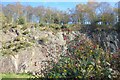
(89, 13)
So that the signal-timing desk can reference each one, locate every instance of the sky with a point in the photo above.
(57, 0)
(58, 4)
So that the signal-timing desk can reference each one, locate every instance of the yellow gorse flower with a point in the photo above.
(56, 76)
(91, 51)
(65, 70)
(79, 77)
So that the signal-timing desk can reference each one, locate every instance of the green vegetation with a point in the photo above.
(20, 42)
(13, 75)
(84, 60)
(21, 21)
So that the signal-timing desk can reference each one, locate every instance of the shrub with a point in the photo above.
(21, 21)
(64, 26)
(41, 25)
(83, 60)
(43, 41)
(117, 25)
(17, 44)
(2, 20)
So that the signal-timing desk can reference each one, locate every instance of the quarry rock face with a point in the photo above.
(34, 58)
(6, 65)
(49, 46)
(109, 40)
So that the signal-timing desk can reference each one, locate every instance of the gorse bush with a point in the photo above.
(21, 21)
(20, 42)
(83, 60)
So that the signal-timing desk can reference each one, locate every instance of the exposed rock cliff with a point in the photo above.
(48, 46)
